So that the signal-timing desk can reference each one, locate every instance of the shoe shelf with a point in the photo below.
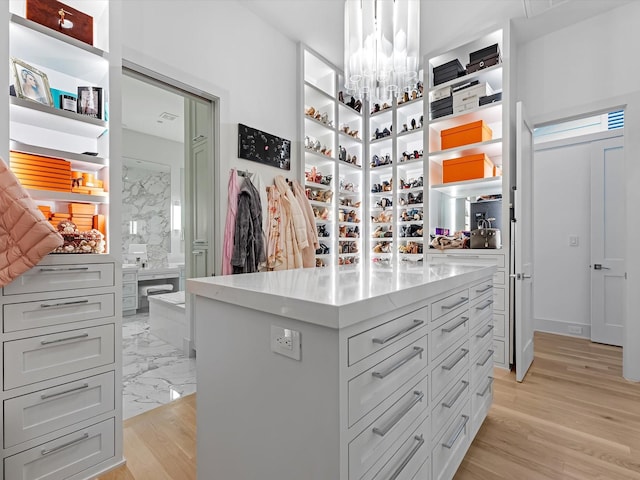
(469, 188)
(490, 113)
(317, 186)
(493, 149)
(491, 75)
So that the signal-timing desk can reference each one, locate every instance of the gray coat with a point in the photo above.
(248, 241)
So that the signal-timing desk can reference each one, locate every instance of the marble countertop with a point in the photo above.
(336, 297)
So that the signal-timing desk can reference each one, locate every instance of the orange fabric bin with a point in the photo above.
(465, 134)
(470, 167)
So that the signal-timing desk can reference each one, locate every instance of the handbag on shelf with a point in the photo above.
(485, 236)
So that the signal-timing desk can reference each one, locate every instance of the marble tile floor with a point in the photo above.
(153, 372)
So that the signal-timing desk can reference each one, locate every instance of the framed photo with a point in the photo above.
(90, 101)
(263, 147)
(31, 83)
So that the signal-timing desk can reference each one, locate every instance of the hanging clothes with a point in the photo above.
(275, 249)
(248, 248)
(230, 223)
(309, 252)
(294, 233)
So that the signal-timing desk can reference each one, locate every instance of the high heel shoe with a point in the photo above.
(357, 106)
(310, 111)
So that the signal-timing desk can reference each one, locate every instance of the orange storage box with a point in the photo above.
(470, 167)
(473, 132)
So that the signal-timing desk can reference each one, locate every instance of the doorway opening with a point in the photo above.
(167, 229)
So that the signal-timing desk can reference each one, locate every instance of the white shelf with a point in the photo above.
(352, 166)
(491, 75)
(78, 160)
(493, 148)
(317, 186)
(490, 113)
(319, 157)
(49, 195)
(469, 188)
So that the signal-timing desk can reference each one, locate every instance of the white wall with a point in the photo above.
(592, 66)
(221, 48)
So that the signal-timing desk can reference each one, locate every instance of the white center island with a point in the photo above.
(342, 373)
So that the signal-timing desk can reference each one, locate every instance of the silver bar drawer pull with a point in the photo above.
(405, 462)
(75, 337)
(63, 304)
(416, 351)
(485, 289)
(486, 389)
(65, 269)
(382, 341)
(459, 302)
(490, 302)
(463, 256)
(455, 362)
(450, 329)
(457, 433)
(382, 431)
(44, 396)
(482, 363)
(486, 332)
(456, 395)
(64, 445)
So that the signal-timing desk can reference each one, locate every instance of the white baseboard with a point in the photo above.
(558, 327)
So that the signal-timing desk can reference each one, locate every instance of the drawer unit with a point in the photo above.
(35, 414)
(499, 355)
(452, 401)
(481, 400)
(447, 331)
(27, 315)
(449, 304)
(483, 360)
(479, 289)
(371, 341)
(372, 444)
(129, 303)
(499, 298)
(449, 448)
(34, 359)
(62, 277)
(481, 335)
(129, 276)
(374, 385)
(65, 456)
(448, 369)
(499, 324)
(129, 289)
(480, 309)
(409, 454)
(468, 258)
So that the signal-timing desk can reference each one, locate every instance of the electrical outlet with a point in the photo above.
(574, 329)
(285, 342)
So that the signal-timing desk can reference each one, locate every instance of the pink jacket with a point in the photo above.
(293, 231)
(25, 235)
(308, 253)
(230, 225)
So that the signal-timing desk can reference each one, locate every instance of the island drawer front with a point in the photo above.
(370, 446)
(371, 341)
(34, 359)
(66, 456)
(481, 362)
(410, 453)
(480, 289)
(483, 333)
(499, 323)
(448, 369)
(500, 354)
(481, 308)
(449, 448)
(44, 411)
(481, 401)
(445, 333)
(375, 384)
(62, 277)
(129, 277)
(460, 299)
(23, 316)
(451, 402)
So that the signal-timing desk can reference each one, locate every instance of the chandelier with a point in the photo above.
(381, 48)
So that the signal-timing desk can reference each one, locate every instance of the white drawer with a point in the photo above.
(483, 361)
(38, 413)
(469, 258)
(448, 369)
(374, 385)
(448, 304)
(411, 453)
(444, 408)
(129, 277)
(371, 445)
(498, 299)
(129, 289)
(23, 316)
(482, 335)
(500, 354)
(371, 341)
(34, 359)
(499, 277)
(448, 330)
(480, 289)
(481, 401)
(480, 309)
(499, 324)
(62, 277)
(65, 456)
(129, 303)
(449, 449)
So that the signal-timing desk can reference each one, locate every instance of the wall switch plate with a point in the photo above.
(573, 240)
(285, 342)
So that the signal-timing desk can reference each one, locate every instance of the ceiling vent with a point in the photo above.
(168, 116)
(533, 8)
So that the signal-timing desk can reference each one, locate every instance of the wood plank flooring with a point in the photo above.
(573, 418)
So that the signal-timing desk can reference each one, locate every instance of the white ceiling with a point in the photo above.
(320, 25)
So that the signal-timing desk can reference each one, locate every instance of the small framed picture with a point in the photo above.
(31, 83)
(90, 101)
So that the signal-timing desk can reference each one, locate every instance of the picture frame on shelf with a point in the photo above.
(30, 83)
(89, 101)
(258, 146)
(61, 17)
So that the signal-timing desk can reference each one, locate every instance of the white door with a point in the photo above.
(608, 241)
(523, 251)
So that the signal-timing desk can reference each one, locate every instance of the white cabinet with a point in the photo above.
(129, 291)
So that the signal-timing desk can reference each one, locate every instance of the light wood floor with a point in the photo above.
(574, 417)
